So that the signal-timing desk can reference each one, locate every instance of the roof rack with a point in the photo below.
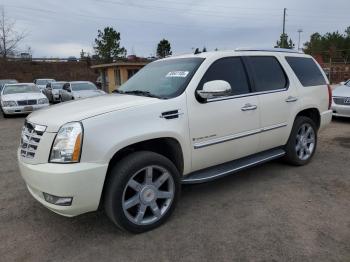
(283, 50)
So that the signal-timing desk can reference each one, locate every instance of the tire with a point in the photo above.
(302, 138)
(153, 200)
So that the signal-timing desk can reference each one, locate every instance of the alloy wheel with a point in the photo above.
(148, 195)
(305, 141)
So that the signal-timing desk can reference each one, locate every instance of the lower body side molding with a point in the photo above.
(215, 172)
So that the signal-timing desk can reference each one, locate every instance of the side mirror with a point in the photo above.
(214, 88)
(342, 83)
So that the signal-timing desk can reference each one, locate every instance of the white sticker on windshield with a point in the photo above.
(177, 74)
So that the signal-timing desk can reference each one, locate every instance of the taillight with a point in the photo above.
(329, 97)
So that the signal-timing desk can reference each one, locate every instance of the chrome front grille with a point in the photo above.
(27, 102)
(345, 101)
(30, 139)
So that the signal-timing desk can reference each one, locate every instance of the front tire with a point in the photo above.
(302, 143)
(142, 191)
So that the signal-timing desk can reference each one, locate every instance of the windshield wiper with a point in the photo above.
(137, 93)
(141, 93)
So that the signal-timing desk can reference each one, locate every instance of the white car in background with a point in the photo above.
(21, 98)
(41, 83)
(79, 89)
(341, 100)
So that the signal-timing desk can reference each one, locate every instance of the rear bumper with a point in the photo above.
(341, 110)
(326, 118)
(82, 181)
(13, 110)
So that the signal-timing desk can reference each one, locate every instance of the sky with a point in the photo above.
(61, 28)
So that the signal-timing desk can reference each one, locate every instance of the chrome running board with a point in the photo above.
(215, 172)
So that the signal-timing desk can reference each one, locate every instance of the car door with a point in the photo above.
(277, 97)
(224, 128)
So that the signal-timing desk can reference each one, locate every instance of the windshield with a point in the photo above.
(16, 89)
(165, 79)
(347, 83)
(7, 81)
(83, 86)
(57, 85)
(44, 81)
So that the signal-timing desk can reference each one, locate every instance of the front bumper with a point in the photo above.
(341, 110)
(13, 110)
(82, 181)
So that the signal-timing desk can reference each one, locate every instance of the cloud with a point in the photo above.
(62, 28)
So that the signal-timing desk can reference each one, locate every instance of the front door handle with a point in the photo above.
(291, 99)
(248, 107)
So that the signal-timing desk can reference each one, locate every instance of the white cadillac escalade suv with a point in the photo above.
(180, 120)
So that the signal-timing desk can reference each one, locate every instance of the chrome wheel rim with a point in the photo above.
(148, 195)
(305, 142)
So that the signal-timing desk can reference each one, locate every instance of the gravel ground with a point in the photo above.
(273, 212)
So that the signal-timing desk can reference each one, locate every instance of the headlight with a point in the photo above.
(67, 145)
(43, 101)
(9, 103)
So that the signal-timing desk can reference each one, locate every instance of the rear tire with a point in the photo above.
(302, 143)
(142, 191)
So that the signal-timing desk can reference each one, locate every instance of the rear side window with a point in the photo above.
(268, 73)
(307, 71)
(229, 69)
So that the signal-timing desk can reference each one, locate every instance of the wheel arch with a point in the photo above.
(312, 113)
(166, 146)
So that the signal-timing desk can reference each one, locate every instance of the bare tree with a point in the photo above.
(9, 37)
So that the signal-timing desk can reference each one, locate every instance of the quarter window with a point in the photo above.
(229, 69)
(267, 73)
(306, 71)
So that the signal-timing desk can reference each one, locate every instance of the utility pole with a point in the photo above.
(284, 27)
(299, 31)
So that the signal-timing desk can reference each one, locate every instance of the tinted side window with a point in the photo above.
(268, 73)
(229, 69)
(306, 70)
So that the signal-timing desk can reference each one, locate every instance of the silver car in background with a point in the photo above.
(341, 100)
(42, 82)
(79, 89)
(21, 98)
(52, 91)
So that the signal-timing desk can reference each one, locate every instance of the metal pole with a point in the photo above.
(299, 31)
(284, 28)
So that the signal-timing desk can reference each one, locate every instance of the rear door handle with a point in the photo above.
(248, 107)
(291, 99)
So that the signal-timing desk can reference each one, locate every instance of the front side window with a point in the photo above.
(83, 86)
(267, 73)
(43, 81)
(17, 89)
(231, 70)
(164, 78)
(306, 70)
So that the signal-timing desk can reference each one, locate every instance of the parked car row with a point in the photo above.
(23, 98)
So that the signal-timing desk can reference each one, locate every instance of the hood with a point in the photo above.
(57, 115)
(22, 96)
(87, 93)
(342, 90)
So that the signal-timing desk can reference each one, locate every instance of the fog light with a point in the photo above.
(56, 200)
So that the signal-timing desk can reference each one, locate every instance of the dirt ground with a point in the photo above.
(273, 212)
